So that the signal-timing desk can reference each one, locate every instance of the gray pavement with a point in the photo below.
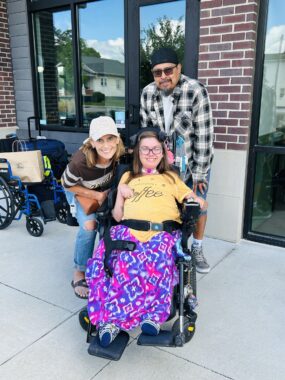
(240, 330)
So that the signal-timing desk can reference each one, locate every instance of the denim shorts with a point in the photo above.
(189, 183)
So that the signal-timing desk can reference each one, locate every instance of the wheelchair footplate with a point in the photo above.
(114, 351)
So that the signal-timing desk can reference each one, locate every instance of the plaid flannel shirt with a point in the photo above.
(192, 119)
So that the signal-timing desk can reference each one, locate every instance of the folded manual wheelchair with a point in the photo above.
(18, 198)
(184, 295)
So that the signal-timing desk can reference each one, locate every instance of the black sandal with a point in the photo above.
(78, 283)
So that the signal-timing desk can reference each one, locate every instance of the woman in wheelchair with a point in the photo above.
(139, 290)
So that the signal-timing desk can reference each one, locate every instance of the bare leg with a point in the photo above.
(200, 227)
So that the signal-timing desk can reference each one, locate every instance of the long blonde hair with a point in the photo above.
(92, 155)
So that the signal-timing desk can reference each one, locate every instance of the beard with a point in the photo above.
(166, 92)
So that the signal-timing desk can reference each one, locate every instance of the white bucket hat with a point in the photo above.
(101, 126)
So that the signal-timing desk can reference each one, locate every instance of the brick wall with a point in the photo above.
(7, 98)
(226, 66)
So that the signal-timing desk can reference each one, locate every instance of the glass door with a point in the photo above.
(153, 24)
(266, 180)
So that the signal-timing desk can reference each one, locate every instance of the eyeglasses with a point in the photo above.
(167, 71)
(146, 150)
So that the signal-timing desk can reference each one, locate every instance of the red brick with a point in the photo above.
(217, 64)
(233, 122)
(250, 36)
(209, 56)
(211, 4)
(232, 54)
(237, 131)
(220, 47)
(220, 129)
(239, 114)
(226, 138)
(242, 62)
(205, 13)
(237, 146)
(210, 39)
(243, 139)
(246, 89)
(244, 122)
(233, 19)
(218, 81)
(243, 45)
(211, 21)
(212, 89)
(204, 48)
(208, 73)
(229, 106)
(219, 145)
(219, 97)
(246, 8)
(221, 29)
(245, 27)
(221, 114)
(241, 80)
(203, 65)
(249, 54)
(251, 17)
(246, 106)
(248, 72)
(204, 31)
(240, 97)
(233, 37)
(233, 2)
(223, 11)
(230, 72)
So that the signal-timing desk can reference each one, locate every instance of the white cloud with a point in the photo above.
(275, 40)
(111, 49)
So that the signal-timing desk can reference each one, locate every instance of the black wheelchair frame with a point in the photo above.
(16, 200)
(183, 328)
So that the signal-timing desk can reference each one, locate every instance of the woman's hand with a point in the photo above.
(101, 196)
(125, 191)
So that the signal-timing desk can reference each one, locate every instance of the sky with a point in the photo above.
(275, 38)
(102, 23)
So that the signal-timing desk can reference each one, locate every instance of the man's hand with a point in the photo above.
(202, 187)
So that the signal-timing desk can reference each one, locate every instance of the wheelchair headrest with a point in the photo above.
(161, 136)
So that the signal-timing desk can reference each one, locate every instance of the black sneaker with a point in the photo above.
(201, 263)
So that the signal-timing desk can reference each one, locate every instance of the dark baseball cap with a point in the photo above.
(164, 55)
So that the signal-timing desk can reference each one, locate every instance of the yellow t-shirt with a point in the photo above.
(155, 197)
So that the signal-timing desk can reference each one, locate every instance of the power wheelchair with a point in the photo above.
(17, 199)
(184, 295)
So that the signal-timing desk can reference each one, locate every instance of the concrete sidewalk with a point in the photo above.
(239, 331)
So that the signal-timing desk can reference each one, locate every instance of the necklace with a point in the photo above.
(149, 171)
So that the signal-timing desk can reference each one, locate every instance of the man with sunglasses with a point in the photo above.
(181, 107)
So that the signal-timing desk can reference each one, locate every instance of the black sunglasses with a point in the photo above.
(167, 71)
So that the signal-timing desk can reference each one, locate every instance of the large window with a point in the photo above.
(265, 216)
(102, 55)
(54, 65)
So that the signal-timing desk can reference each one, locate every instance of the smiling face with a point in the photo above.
(164, 80)
(150, 152)
(106, 147)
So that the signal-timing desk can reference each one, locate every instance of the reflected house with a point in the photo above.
(273, 97)
(106, 76)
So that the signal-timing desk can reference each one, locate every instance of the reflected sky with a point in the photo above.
(275, 39)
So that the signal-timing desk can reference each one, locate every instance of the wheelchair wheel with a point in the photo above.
(7, 205)
(84, 320)
(61, 214)
(188, 329)
(34, 226)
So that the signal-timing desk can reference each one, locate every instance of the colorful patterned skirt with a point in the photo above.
(142, 283)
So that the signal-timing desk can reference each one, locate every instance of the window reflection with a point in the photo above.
(268, 212)
(55, 67)
(272, 113)
(160, 25)
(101, 26)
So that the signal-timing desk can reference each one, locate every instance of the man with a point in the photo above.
(181, 107)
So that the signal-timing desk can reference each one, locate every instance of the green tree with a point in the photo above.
(64, 57)
(161, 34)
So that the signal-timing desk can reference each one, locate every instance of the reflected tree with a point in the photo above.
(164, 33)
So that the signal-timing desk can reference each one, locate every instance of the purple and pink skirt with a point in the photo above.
(142, 283)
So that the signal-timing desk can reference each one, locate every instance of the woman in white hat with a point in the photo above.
(89, 174)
